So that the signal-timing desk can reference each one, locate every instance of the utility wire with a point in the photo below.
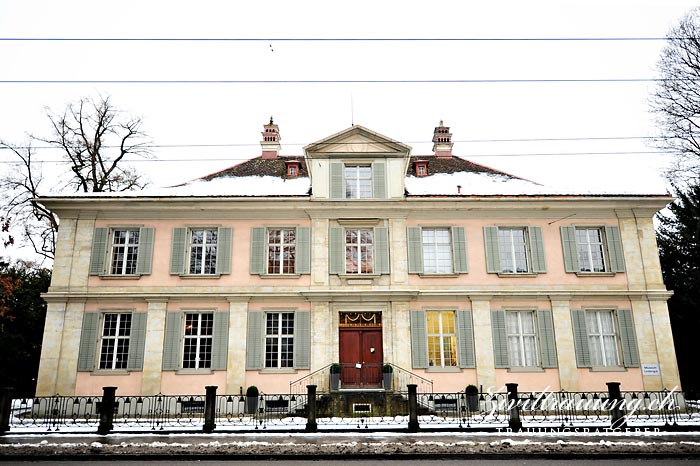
(339, 39)
(340, 81)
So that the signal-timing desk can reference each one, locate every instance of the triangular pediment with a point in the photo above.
(357, 141)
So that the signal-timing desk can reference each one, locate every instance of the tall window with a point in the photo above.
(203, 243)
(116, 332)
(281, 249)
(512, 245)
(359, 251)
(197, 342)
(589, 242)
(442, 350)
(279, 339)
(358, 181)
(522, 343)
(124, 251)
(602, 338)
(437, 250)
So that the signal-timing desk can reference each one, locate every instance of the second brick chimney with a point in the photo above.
(442, 141)
(271, 141)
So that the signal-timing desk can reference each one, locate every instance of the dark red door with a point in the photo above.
(361, 356)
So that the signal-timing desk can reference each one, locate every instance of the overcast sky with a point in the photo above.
(231, 114)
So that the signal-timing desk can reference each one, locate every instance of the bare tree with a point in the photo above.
(95, 141)
(676, 101)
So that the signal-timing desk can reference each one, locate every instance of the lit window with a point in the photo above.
(197, 341)
(281, 249)
(279, 339)
(114, 348)
(522, 340)
(124, 251)
(358, 181)
(442, 348)
(437, 250)
(202, 254)
(359, 251)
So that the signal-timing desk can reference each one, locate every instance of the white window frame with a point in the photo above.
(365, 250)
(517, 358)
(354, 175)
(509, 251)
(208, 247)
(432, 250)
(587, 248)
(597, 339)
(126, 262)
(110, 359)
(277, 358)
(441, 335)
(278, 267)
(200, 341)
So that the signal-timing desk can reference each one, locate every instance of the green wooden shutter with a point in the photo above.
(258, 253)
(219, 349)
(379, 180)
(99, 251)
(302, 254)
(337, 180)
(419, 340)
(459, 250)
(302, 340)
(177, 252)
(171, 343)
(493, 255)
(615, 253)
(337, 250)
(145, 255)
(254, 341)
(568, 242)
(548, 349)
(537, 250)
(381, 250)
(88, 341)
(583, 354)
(465, 339)
(628, 338)
(415, 249)
(500, 340)
(224, 245)
(137, 340)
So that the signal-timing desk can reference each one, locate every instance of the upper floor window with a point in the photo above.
(281, 249)
(114, 346)
(437, 250)
(201, 251)
(442, 348)
(358, 181)
(359, 251)
(279, 339)
(122, 251)
(197, 340)
(592, 249)
(514, 250)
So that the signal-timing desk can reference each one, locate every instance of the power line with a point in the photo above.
(339, 39)
(342, 81)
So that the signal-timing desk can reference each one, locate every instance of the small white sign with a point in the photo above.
(650, 369)
(358, 366)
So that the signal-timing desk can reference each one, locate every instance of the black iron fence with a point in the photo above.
(400, 410)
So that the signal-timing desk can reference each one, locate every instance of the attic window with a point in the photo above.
(421, 168)
(293, 168)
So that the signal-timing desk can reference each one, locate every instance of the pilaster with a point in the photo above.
(483, 343)
(319, 252)
(70, 345)
(237, 335)
(664, 342)
(51, 349)
(634, 264)
(401, 338)
(153, 356)
(324, 338)
(399, 251)
(564, 337)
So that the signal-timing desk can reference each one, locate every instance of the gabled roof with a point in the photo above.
(357, 141)
(258, 166)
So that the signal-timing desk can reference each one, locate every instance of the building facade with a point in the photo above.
(356, 252)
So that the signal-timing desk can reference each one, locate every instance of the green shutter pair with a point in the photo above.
(172, 344)
(613, 243)
(337, 180)
(415, 250)
(99, 262)
(465, 340)
(626, 332)
(336, 260)
(255, 340)
(536, 258)
(179, 249)
(545, 334)
(90, 334)
(259, 257)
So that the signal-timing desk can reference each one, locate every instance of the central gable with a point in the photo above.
(357, 141)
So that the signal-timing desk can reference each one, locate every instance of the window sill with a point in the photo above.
(438, 275)
(109, 372)
(595, 274)
(188, 276)
(194, 371)
(282, 370)
(607, 369)
(120, 277)
(279, 275)
(525, 369)
(517, 275)
(453, 369)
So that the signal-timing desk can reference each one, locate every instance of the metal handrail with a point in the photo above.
(310, 377)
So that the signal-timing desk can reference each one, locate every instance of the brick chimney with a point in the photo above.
(271, 141)
(442, 141)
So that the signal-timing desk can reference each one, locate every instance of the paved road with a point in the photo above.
(476, 462)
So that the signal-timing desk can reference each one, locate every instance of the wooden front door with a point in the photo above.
(361, 357)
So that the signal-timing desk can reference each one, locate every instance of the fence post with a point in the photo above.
(5, 409)
(514, 422)
(107, 410)
(210, 408)
(413, 408)
(617, 414)
(311, 425)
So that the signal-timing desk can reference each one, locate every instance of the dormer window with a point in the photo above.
(421, 168)
(292, 168)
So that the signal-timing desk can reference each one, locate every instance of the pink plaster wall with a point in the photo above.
(528, 381)
(191, 384)
(630, 379)
(444, 382)
(272, 383)
(88, 383)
